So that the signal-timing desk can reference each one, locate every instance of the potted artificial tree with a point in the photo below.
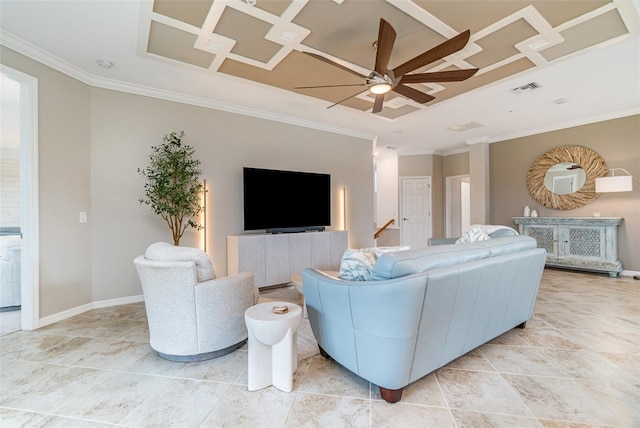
(173, 188)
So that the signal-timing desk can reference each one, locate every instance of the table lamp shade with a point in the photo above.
(622, 183)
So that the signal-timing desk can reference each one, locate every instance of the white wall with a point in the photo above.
(123, 129)
(64, 185)
(387, 195)
(91, 142)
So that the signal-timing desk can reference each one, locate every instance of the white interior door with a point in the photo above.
(415, 210)
(458, 205)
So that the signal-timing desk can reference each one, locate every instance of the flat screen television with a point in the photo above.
(286, 201)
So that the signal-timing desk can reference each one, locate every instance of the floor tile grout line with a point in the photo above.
(511, 387)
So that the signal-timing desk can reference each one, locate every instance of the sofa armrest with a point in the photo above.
(369, 327)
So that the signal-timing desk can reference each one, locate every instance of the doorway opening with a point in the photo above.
(20, 148)
(458, 205)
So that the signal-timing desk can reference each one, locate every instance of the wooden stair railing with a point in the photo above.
(382, 229)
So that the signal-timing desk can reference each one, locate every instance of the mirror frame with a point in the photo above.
(592, 164)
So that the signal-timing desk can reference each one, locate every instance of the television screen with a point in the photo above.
(286, 201)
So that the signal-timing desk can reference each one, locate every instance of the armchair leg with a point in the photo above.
(391, 395)
(523, 325)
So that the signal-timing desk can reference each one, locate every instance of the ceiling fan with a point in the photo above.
(382, 80)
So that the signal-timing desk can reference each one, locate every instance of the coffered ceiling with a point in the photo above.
(247, 56)
(263, 41)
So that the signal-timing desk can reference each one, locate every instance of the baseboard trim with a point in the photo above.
(61, 316)
(633, 273)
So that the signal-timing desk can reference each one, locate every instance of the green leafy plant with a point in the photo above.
(173, 188)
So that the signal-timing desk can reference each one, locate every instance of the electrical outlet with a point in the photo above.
(83, 217)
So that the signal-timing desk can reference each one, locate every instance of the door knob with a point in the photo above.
(405, 219)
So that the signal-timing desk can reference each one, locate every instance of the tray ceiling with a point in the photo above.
(263, 42)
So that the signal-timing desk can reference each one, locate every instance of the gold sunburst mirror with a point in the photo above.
(564, 178)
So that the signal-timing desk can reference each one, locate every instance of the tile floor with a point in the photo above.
(577, 364)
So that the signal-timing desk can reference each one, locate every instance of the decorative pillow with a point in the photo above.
(356, 265)
(163, 251)
(474, 234)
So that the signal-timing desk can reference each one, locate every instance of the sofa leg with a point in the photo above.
(324, 353)
(523, 325)
(391, 395)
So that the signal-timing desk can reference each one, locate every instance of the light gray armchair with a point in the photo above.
(192, 315)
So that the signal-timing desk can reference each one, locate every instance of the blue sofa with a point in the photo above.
(423, 307)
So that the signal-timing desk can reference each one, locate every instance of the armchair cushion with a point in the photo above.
(165, 252)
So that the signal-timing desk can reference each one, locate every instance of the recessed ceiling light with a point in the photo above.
(105, 64)
(287, 35)
(215, 45)
(539, 44)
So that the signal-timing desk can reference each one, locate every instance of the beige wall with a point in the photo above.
(64, 184)
(480, 186)
(617, 141)
(457, 164)
(91, 142)
(124, 127)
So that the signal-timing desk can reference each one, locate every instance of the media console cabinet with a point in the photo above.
(583, 243)
(274, 258)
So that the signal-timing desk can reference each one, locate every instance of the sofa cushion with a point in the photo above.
(163, 251)
(401, 263)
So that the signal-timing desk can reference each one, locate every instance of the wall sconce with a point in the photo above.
(620, 183)
(204, 211)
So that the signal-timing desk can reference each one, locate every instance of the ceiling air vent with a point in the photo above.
(465, 126)
(525, 88)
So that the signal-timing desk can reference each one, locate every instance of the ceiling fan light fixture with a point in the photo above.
(380, 88)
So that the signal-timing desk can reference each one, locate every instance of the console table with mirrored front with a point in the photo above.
(583, 243)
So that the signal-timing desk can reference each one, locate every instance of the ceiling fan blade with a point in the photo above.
(439, 76)
(349, 97)
(414, 94)
(335, 64)
(329, 86)
(442, 50)
(386, 40)
(377, 105)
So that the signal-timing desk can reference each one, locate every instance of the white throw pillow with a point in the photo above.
(356, 264)
(474, 234)
(163, 251)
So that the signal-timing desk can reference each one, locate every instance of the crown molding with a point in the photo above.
(43, 57)
(453, 151)
(570, 124)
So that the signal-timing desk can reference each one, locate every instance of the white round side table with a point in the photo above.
(272, 345)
